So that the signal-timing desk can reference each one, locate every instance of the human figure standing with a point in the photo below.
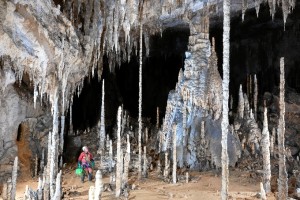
(85, 160)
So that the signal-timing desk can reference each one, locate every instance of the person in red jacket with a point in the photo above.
(85, 160)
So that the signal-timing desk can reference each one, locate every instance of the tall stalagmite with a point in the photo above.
(174, 178)
(14, 178)
(140, 104)
(282, 179)
(119, 156)
(265, 145)
(255, 96)
(102, 122)
(225, 89)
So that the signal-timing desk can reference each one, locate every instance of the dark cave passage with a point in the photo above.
(256, 46)
(160, 74)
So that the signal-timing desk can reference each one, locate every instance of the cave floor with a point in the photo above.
(202, 185)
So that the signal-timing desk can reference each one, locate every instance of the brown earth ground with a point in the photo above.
(203, 185)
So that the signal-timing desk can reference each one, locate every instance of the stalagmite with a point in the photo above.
(126, 163)
(91, 193)
(265, 145)
(158, 170)
(186, 177)
(42, 163)
(140, 104)
(14, 179)
(40, 189)
(241, 104)
(5, 191)
(225, 89)
(58, 190)
(110, 156)
(102, 122)
(145, 164)
(184, 132)
(255, 97)
(174, 177)
(246, 107)
(36, 165)
(282, 179)
(157, 117)
(98, 185)
(119, 159)
(146, 135)
(167, 165)
(272, 145)
(262, 192)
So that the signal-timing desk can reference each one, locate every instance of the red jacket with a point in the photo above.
(85, 157)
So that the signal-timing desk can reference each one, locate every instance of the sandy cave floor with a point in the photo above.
(203, 185)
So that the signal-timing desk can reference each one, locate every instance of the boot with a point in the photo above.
(90, 177)
(82, 178)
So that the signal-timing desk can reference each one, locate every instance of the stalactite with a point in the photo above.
(98, 185)
(145, 164)
(225, 89)
(272, 6)
(102, 122)
(62, 125)
(265, 145)
(282, 180)
(244, 8)
(140, 103)
(241, 104)
(174, 177)
(255, 97)
(257, 6)
(119, 160)
(157, 117)
(14, 179)
(58, 189)
(35, 94)
(71, 116)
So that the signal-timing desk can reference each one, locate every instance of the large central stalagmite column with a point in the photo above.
(225, 88)
(283, 179)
